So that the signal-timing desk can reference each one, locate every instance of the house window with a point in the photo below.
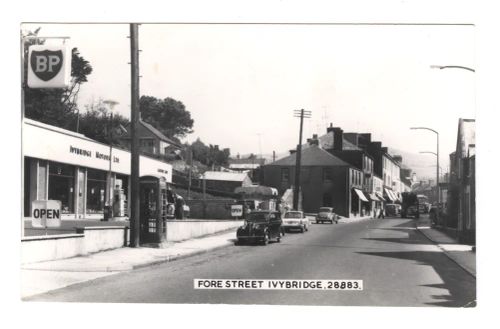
(285, 175)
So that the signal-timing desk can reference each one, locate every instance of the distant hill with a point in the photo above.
(423, 165)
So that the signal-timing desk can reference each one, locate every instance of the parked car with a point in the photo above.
(424, 208)
(326, 214)
(261, 226)
(392, 209)
(295, 220)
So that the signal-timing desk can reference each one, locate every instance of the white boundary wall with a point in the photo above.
(179, 230)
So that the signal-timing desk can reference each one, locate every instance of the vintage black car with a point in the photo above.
(261, 226)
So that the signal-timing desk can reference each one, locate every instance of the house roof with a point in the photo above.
(158, 133)
(225, 176)
(311, 156)
(155, 132)
(326, 142)
(247, 161)
(244, 166)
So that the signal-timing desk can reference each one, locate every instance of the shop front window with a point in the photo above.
(62, 185)
(96, 191)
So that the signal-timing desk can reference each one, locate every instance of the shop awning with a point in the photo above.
(390, 195)
(394, 195)
(380, 196)
(373, 197)
(361, 195)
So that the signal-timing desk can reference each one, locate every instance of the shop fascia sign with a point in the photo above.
(88, 153)
(49, 66)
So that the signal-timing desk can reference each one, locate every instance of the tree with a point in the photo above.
(209, 155)
(167, 115)
(55, 106)
(95, 123)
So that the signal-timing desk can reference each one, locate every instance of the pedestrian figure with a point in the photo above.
(381, 214)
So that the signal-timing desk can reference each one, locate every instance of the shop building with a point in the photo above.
(80, 172)
(461, 200)
(325, 180)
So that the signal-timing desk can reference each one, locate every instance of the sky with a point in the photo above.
(243, 82)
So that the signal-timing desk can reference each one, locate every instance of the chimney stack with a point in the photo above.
(398, 158)
(314, 140)
(338, 138)
(328, 129)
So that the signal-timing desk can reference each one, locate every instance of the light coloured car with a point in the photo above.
(326, 214)
(295, 220)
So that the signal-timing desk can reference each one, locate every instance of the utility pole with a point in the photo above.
(296, 187)
(135, 114)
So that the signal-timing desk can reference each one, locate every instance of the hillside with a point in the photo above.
(424, 165)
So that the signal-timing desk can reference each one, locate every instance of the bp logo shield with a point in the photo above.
(46, 64)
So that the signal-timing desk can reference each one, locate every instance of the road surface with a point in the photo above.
(398, 266)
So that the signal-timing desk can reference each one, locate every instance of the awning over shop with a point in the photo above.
(361, 195)
(390, 195)
(380, 196)
(373, 197)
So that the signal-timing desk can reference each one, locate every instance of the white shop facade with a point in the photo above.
(63, 165)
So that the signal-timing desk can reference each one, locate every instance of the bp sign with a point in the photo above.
(46, 213)
(49, 66)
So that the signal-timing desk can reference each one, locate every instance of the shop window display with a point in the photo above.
(62, 185)
(96, 191)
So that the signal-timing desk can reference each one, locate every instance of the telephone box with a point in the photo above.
(156, 205)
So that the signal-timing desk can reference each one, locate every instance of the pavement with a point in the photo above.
(41, 277)
(462, 254)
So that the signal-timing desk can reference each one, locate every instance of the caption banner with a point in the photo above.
(278, 284)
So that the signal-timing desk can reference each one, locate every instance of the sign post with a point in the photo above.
(48, 67)
(236, 210)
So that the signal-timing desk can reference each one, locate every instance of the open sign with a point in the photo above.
(46, 213)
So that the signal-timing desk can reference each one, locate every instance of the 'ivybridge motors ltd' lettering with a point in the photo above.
(87, 153)
(79, 151)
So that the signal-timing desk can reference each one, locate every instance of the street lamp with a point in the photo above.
(437, 159)
(452, 67)
(108, 209)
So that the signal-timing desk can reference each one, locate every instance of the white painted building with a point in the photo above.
(63, 165)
